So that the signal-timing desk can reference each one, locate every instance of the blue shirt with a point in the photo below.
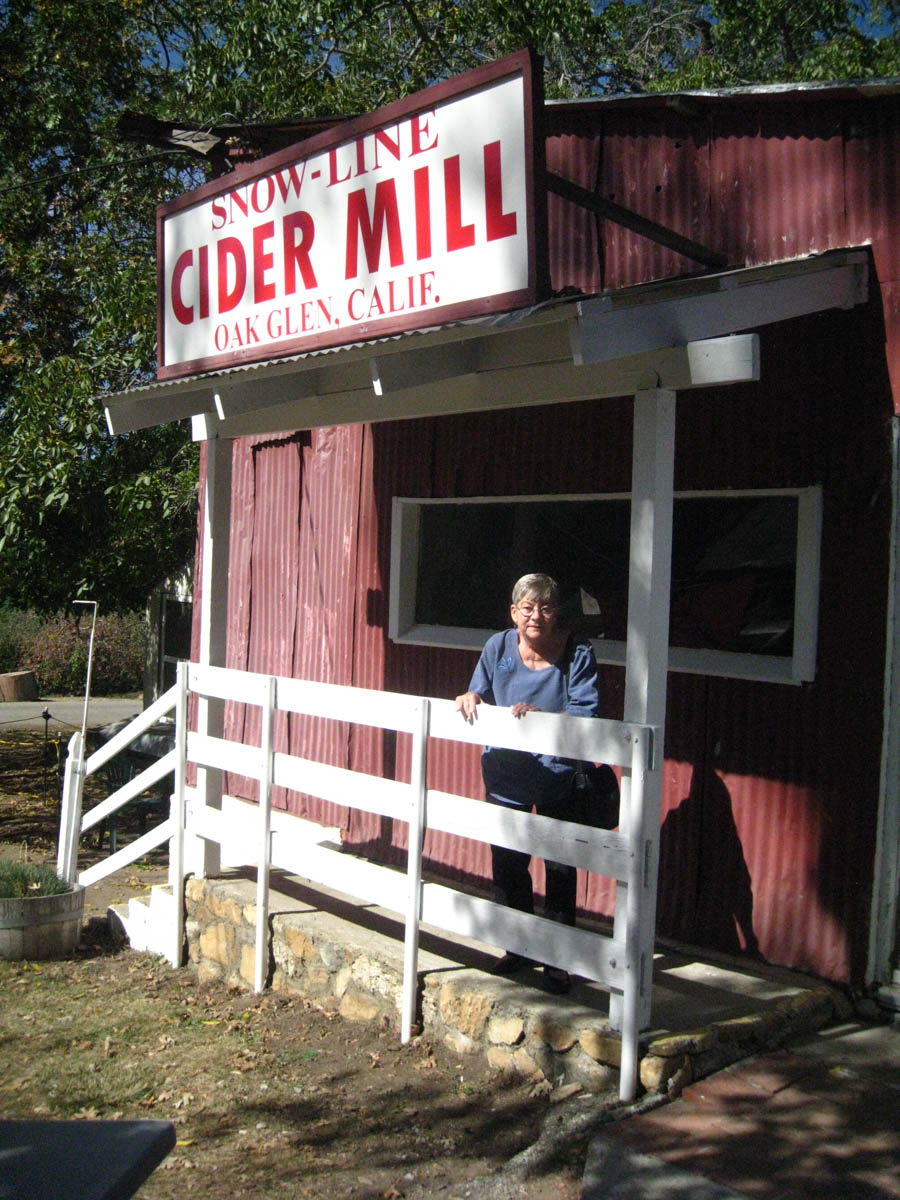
(569, 686)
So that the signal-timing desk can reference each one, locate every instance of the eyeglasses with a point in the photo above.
(546, 610)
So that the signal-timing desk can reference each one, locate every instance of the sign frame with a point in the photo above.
(526, 65)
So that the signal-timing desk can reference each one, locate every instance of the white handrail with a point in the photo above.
(157, 771)
(73, 823)
(621, 966)
(141, 723)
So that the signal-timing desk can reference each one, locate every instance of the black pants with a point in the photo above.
(512, 880)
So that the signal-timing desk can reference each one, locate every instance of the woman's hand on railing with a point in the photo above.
(466, 704)
(520, 709)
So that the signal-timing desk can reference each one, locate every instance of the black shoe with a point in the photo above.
(556, 981)
(510, 963)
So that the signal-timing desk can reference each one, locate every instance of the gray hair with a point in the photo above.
(536, 587)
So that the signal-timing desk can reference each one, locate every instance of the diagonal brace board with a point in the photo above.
(643, 226)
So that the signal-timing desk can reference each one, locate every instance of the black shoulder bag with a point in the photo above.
(597, 795)
(596, 787)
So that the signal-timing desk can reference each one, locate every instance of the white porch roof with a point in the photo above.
(676, 334)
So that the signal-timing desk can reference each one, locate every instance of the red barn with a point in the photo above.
(372, 543)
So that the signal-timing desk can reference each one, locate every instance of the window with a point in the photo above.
(174, 638)
(745, 574)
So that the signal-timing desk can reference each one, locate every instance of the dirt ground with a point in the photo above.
(270, 1095)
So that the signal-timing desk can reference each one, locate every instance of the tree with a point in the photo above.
(83, 513)
(735, 42)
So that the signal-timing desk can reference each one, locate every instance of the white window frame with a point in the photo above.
(799, 667)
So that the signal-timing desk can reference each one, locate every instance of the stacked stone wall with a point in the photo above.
(345, 968)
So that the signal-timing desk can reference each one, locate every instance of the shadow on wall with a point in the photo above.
(703, 825)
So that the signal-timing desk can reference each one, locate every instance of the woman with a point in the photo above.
(537, 666)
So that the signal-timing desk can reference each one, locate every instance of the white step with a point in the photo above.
(146, 925)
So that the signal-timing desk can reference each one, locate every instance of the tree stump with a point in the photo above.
(19, 685)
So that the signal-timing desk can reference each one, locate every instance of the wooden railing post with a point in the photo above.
(267, 755)
(646, 652)
(176, 843)
(414, 869)
(203, 855)
(70, 811)
(638, 953)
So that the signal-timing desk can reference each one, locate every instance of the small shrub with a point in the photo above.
(18, 880)
(16, 627)
(120, 651)
(58, 654)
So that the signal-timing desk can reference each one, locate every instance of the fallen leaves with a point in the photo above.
(324, 1103)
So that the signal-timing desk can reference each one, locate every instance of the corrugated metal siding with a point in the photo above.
(770, 792)
(293, 565)
(657, 165)
(573, 241)
(240, 548)
(777, 183)
(323, 647)
(755, 183)
(872, 191)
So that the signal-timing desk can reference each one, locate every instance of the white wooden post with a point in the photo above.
(176, 842)
(202, 856)
(414, 869)
(266, 749)
(637, 962)
(70, 811)
(646, 666)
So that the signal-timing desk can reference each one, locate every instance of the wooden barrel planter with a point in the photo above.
(35, 927)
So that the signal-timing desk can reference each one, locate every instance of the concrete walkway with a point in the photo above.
(818, 1119)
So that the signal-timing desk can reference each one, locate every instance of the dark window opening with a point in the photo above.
(734, 565)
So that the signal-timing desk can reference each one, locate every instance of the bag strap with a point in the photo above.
(568, 658)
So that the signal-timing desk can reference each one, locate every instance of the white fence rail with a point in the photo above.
(254, 835)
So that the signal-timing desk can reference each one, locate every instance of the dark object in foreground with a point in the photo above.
(597, 795)
(80, 1160)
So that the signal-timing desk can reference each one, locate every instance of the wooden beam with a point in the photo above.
(610, 211)
(611, 327)
(679, 368)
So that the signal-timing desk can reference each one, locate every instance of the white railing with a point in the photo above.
(254, 835)
(74, 823)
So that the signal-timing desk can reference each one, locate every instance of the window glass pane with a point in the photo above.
(734, 563)
(177, 628)
(464, 556)
(733, 566)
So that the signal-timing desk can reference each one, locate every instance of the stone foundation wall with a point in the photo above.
(346, 968)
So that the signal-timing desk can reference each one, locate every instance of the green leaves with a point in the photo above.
(77, 314)
(81, 511)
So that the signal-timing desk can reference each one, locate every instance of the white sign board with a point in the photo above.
(416, 215)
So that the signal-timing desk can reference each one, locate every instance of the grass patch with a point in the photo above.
(270, 1096)
(18, 880)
